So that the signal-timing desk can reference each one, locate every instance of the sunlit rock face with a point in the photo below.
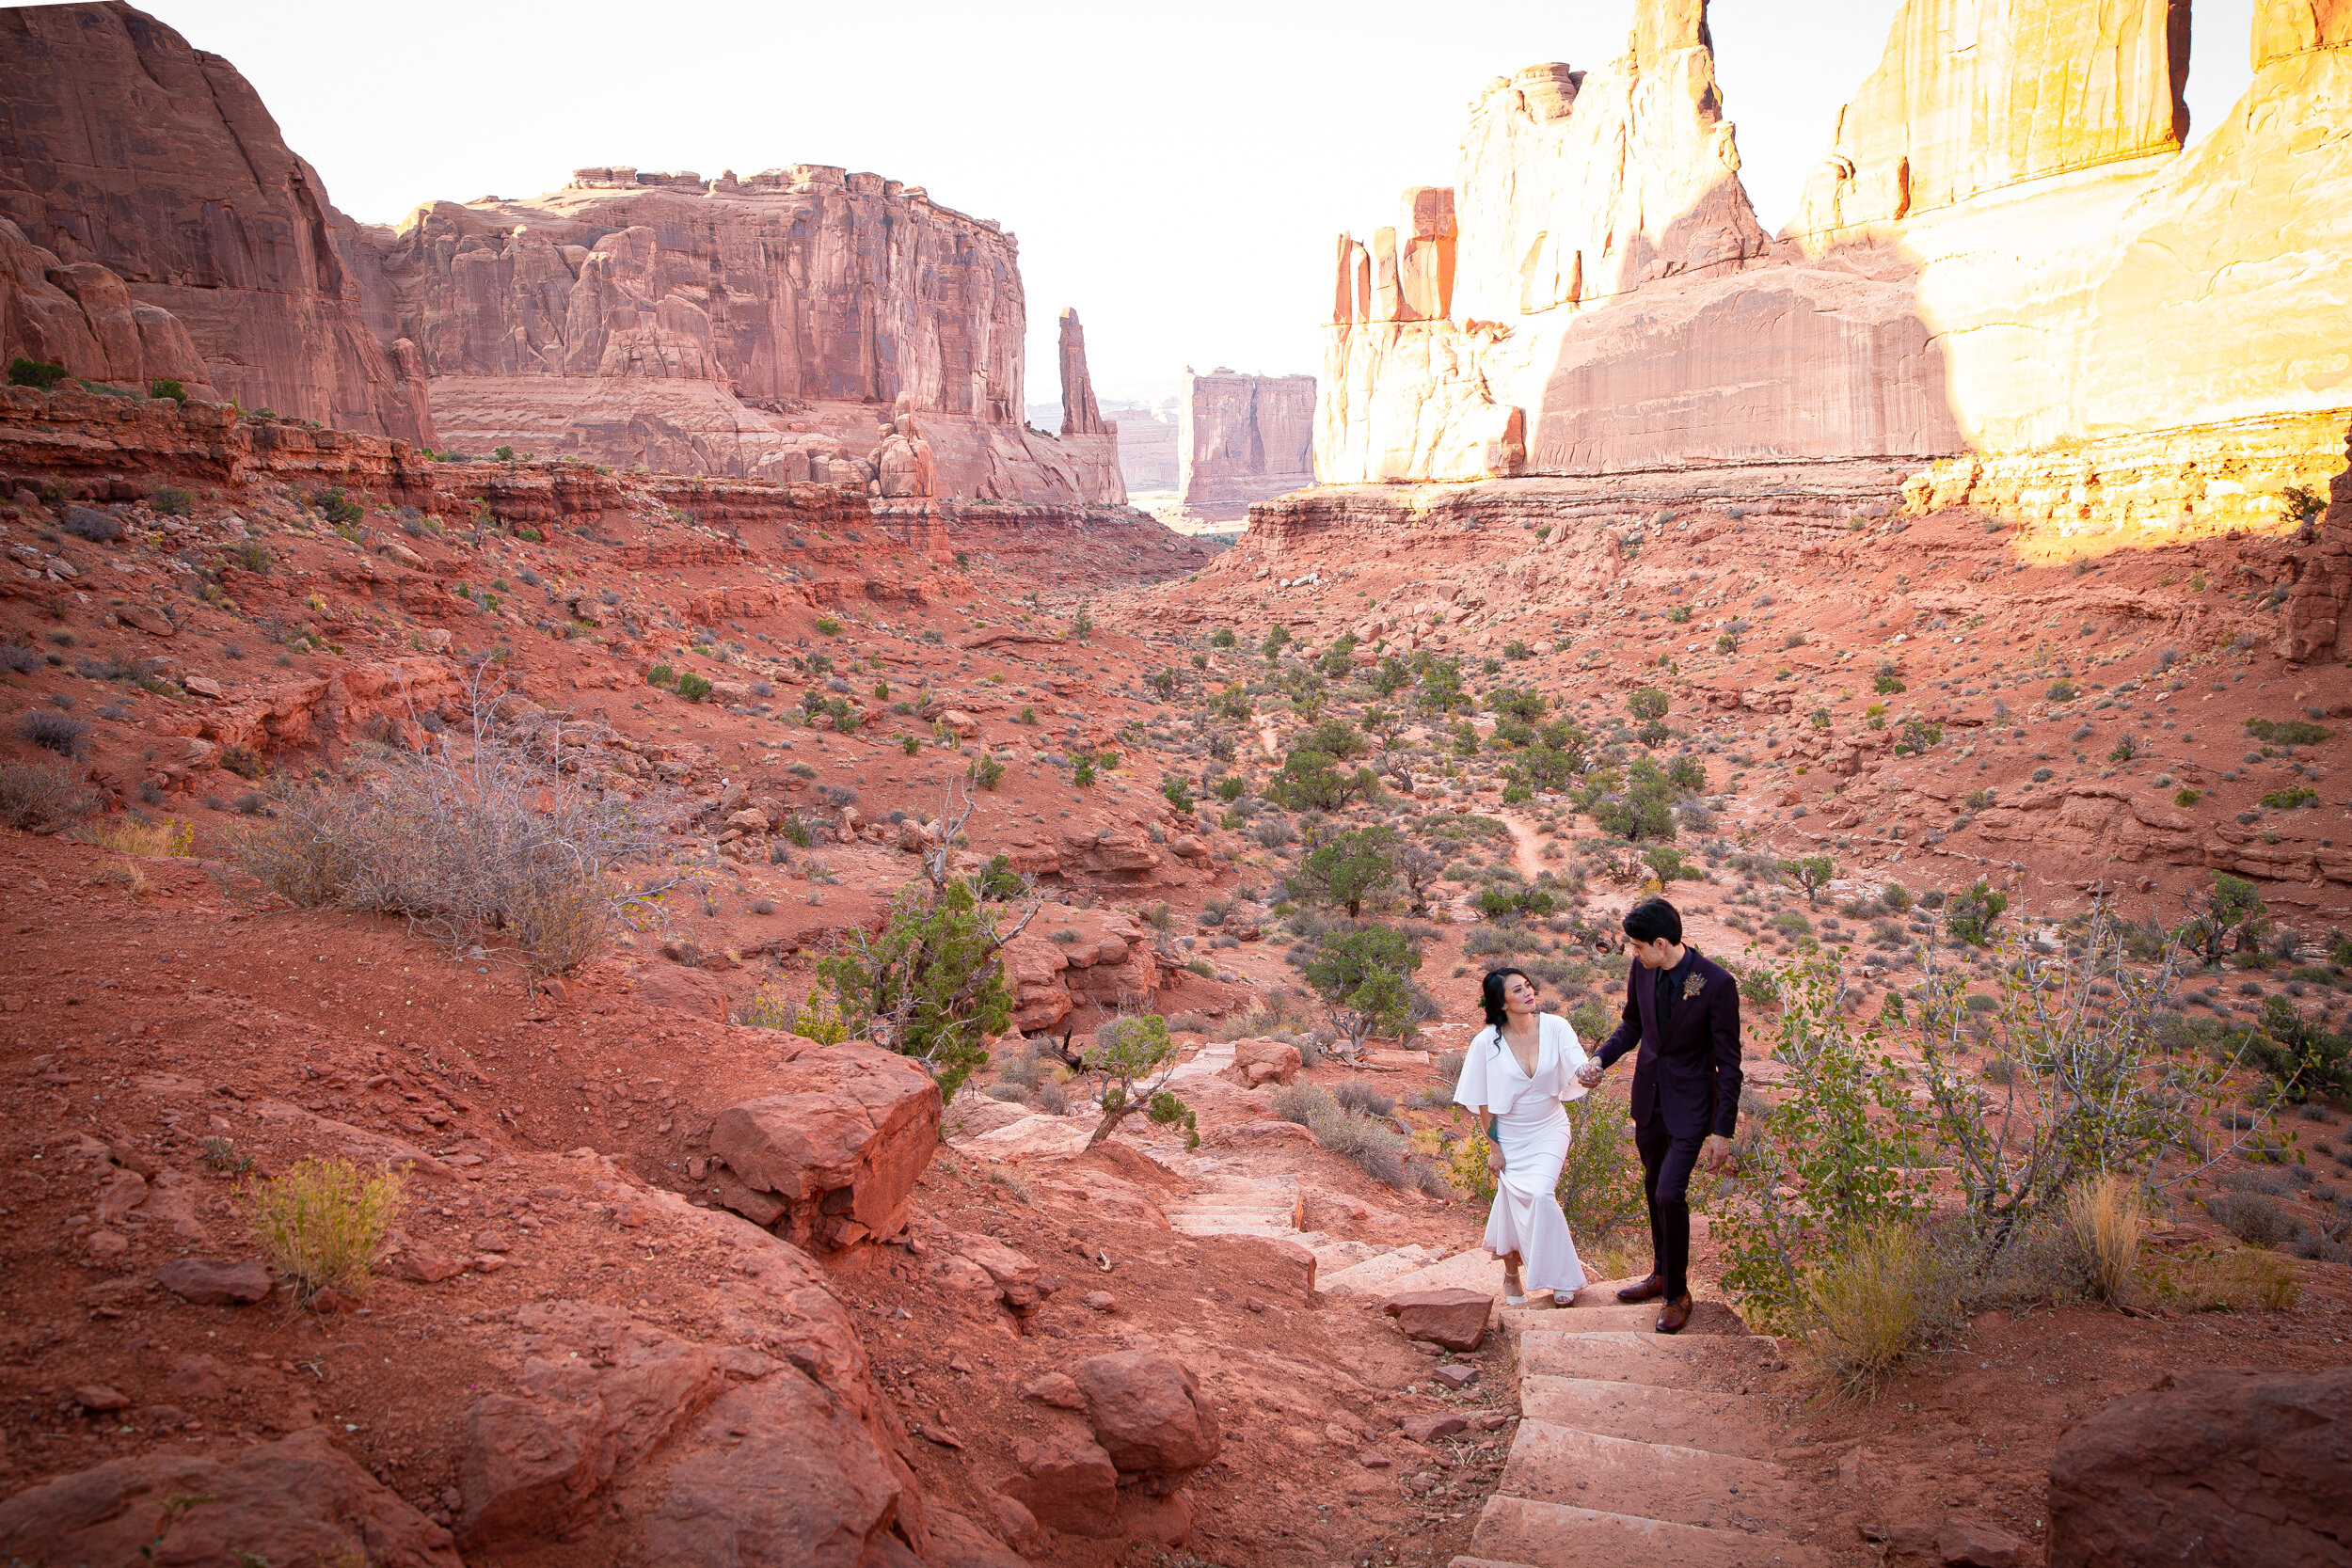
(2004, 249)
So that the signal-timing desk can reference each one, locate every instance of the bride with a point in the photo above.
(1514, 1076)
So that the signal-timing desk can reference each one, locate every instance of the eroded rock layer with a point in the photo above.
(196, 244)
(2005, 253)
(1241, 438)
(732, 326)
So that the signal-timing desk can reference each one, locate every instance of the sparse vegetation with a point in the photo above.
(322, 1222)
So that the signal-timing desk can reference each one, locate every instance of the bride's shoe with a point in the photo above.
(1514, 1293)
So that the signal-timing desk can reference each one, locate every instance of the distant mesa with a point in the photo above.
(1242, 438)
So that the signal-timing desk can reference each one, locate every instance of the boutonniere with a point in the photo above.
(1692, 984)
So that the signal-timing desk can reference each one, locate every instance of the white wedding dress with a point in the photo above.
(1531, 1129)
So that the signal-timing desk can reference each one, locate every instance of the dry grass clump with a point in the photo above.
(497, 845)
(41, 795)
(1869, 1305)
(2104, 1218)
(322, 1222)
(127, 835)
(2232, 1279)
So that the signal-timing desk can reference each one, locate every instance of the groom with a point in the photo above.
(1683, 1012)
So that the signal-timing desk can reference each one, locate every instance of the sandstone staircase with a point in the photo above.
(1637, 1445)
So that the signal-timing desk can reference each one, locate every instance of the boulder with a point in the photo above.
(1456, 1319)
(840, 1144)
(1148, 1412)
(296, 1500)
(214, 1282)
(1067, 1481)
(1953, 1541)
(1265, 1061)
(2251, 1467)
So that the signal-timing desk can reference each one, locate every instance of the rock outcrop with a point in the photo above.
(832, 1157)
(1079, 414)
(2237, 1467)
(2006, 251)
(1242, 438)
(299, 1499)
(751, 327)
(194, 242)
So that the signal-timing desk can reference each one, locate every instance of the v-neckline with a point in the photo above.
(1525, 1071)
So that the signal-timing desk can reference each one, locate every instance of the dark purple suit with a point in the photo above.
(1686, 1086)
(1688, 1072)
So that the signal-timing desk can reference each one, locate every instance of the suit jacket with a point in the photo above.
(1690, 1069)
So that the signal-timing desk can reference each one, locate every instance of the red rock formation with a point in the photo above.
(2005, 253)
(2313, 622)
(757, 328)
(1079, 415)
(124, 150)
(1241, 438)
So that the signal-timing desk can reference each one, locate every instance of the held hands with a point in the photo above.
(1589, 1074)
(1494, 1160)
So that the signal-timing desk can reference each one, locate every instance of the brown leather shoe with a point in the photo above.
(1677, 1312)
(1648, 1290)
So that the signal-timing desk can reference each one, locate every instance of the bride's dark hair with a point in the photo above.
(1491, 994)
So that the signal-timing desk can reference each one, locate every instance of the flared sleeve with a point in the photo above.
(1477, 1088)
(1569, 1058)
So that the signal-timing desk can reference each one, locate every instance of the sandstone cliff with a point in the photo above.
(731, 327)
(194, 243)
(1242, 438)
(2005, 252)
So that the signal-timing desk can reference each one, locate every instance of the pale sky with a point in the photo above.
(1177, 172)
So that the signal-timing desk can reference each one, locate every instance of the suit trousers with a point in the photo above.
(1666, 1166)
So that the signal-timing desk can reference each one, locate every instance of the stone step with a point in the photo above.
(1643, 1479)
(1708, 1318)
(1719, 1423)
(1713, 1361)
(1558, 1535)
(1373, 1276)
(1484, 1562)
(1474, 1270)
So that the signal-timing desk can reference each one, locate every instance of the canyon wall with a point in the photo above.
(1147, 448)
(2005, 252)
(731, 327)
(1242, 438)
(150, 185)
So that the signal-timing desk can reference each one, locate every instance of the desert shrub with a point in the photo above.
(1870, 1301)
(171, 837)
(929, 985)
(1371, 1145)
(769, 1007)
(44, 375)
(2227, 1279)
(987, 772)
(2287, 731)
(693, 686)
(2255, 1218)
(321, 1222)
(83, 522)
(494, 845)
(1134, 1057)
(1601, 1181)
(172, 501)
(40, 793)
(1363, 1098)
(54, 732)
(2103, 1219)
(1838, 1159)
(169, 387)
(2087, 1087)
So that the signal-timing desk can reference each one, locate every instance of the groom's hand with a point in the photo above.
(1589, 1073)
(1715, 1154)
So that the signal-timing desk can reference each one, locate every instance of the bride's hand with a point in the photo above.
(1494, 1161)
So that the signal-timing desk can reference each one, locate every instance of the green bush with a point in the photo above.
(1347, 869)
(987, 771)
(1178, 791)
(322, 1222)
(172, 501)
(164, 386)
(693, 686)
(44, 375)
(1971, 912)
(931, 984)
(2287, 731)
(661, 674)
(827, 625)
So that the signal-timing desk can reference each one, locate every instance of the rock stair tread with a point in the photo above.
(1562, 1535)
(1638, 1477)
(1719, 1423)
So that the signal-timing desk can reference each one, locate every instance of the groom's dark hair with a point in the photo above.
(1653, 918)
